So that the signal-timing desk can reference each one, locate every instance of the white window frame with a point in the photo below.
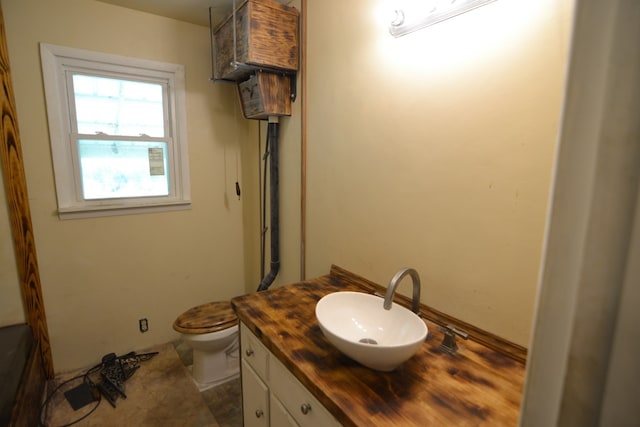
(57, 62)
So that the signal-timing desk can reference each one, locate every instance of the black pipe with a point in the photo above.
(274, 200)
(263, 202)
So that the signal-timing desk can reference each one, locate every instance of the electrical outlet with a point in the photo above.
(144, 325)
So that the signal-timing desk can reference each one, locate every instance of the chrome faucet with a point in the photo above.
(393, 284)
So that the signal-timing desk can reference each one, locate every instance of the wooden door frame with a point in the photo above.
(19, 210)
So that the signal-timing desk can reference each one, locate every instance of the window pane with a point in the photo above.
(118, 107)
(111, 169)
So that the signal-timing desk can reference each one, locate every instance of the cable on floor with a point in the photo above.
(85, 378)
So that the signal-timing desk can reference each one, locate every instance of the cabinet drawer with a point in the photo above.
(254, 352)
(255, 401)
(298, 401)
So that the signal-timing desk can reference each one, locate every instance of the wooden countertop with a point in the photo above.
(478, 386)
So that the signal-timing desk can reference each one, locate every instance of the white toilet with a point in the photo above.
(211, 330)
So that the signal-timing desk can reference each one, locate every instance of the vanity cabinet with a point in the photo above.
(271, 395)
(478, 386)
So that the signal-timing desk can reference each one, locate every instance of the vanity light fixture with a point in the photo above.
(418, 14)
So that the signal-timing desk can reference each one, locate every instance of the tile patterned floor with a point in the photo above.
(160, 393)
(225, 400)
(225, 403)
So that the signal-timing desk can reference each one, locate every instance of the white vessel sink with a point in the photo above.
(357, 324)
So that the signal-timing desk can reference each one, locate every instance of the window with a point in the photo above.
(118, 133)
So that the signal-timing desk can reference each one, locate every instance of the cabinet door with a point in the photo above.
(279, 416)
(255, 398)
(305, 409)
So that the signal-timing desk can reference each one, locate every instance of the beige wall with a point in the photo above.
(99, 276)
(11, 310)
(435, 151)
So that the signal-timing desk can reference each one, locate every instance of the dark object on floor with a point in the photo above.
(16, 343)
(160, 394)
(114, 371)
(80, 396)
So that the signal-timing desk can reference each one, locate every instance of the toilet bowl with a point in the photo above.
(211, 330)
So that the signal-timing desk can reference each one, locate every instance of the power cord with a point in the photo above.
(85, 378)
(125, 366)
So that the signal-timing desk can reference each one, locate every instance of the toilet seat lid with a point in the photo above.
(205, 318)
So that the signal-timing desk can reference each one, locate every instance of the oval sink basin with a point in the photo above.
(357, 324)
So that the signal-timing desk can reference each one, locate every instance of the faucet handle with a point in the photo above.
(449, 344)
(449, 329)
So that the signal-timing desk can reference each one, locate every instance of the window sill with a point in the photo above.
(101, 211)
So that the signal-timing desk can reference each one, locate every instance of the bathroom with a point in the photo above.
(434, 151)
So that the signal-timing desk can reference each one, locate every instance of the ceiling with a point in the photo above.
(193, 11)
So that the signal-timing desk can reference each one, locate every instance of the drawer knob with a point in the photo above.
(249, 352)
(259, 413)
(305, 408)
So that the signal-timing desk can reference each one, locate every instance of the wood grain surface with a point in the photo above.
(478, 386)
(266, 35)
(265, 94)
(19, 210)
(206, 318)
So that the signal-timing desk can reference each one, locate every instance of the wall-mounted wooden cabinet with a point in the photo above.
(266, 36)
(265, 94)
